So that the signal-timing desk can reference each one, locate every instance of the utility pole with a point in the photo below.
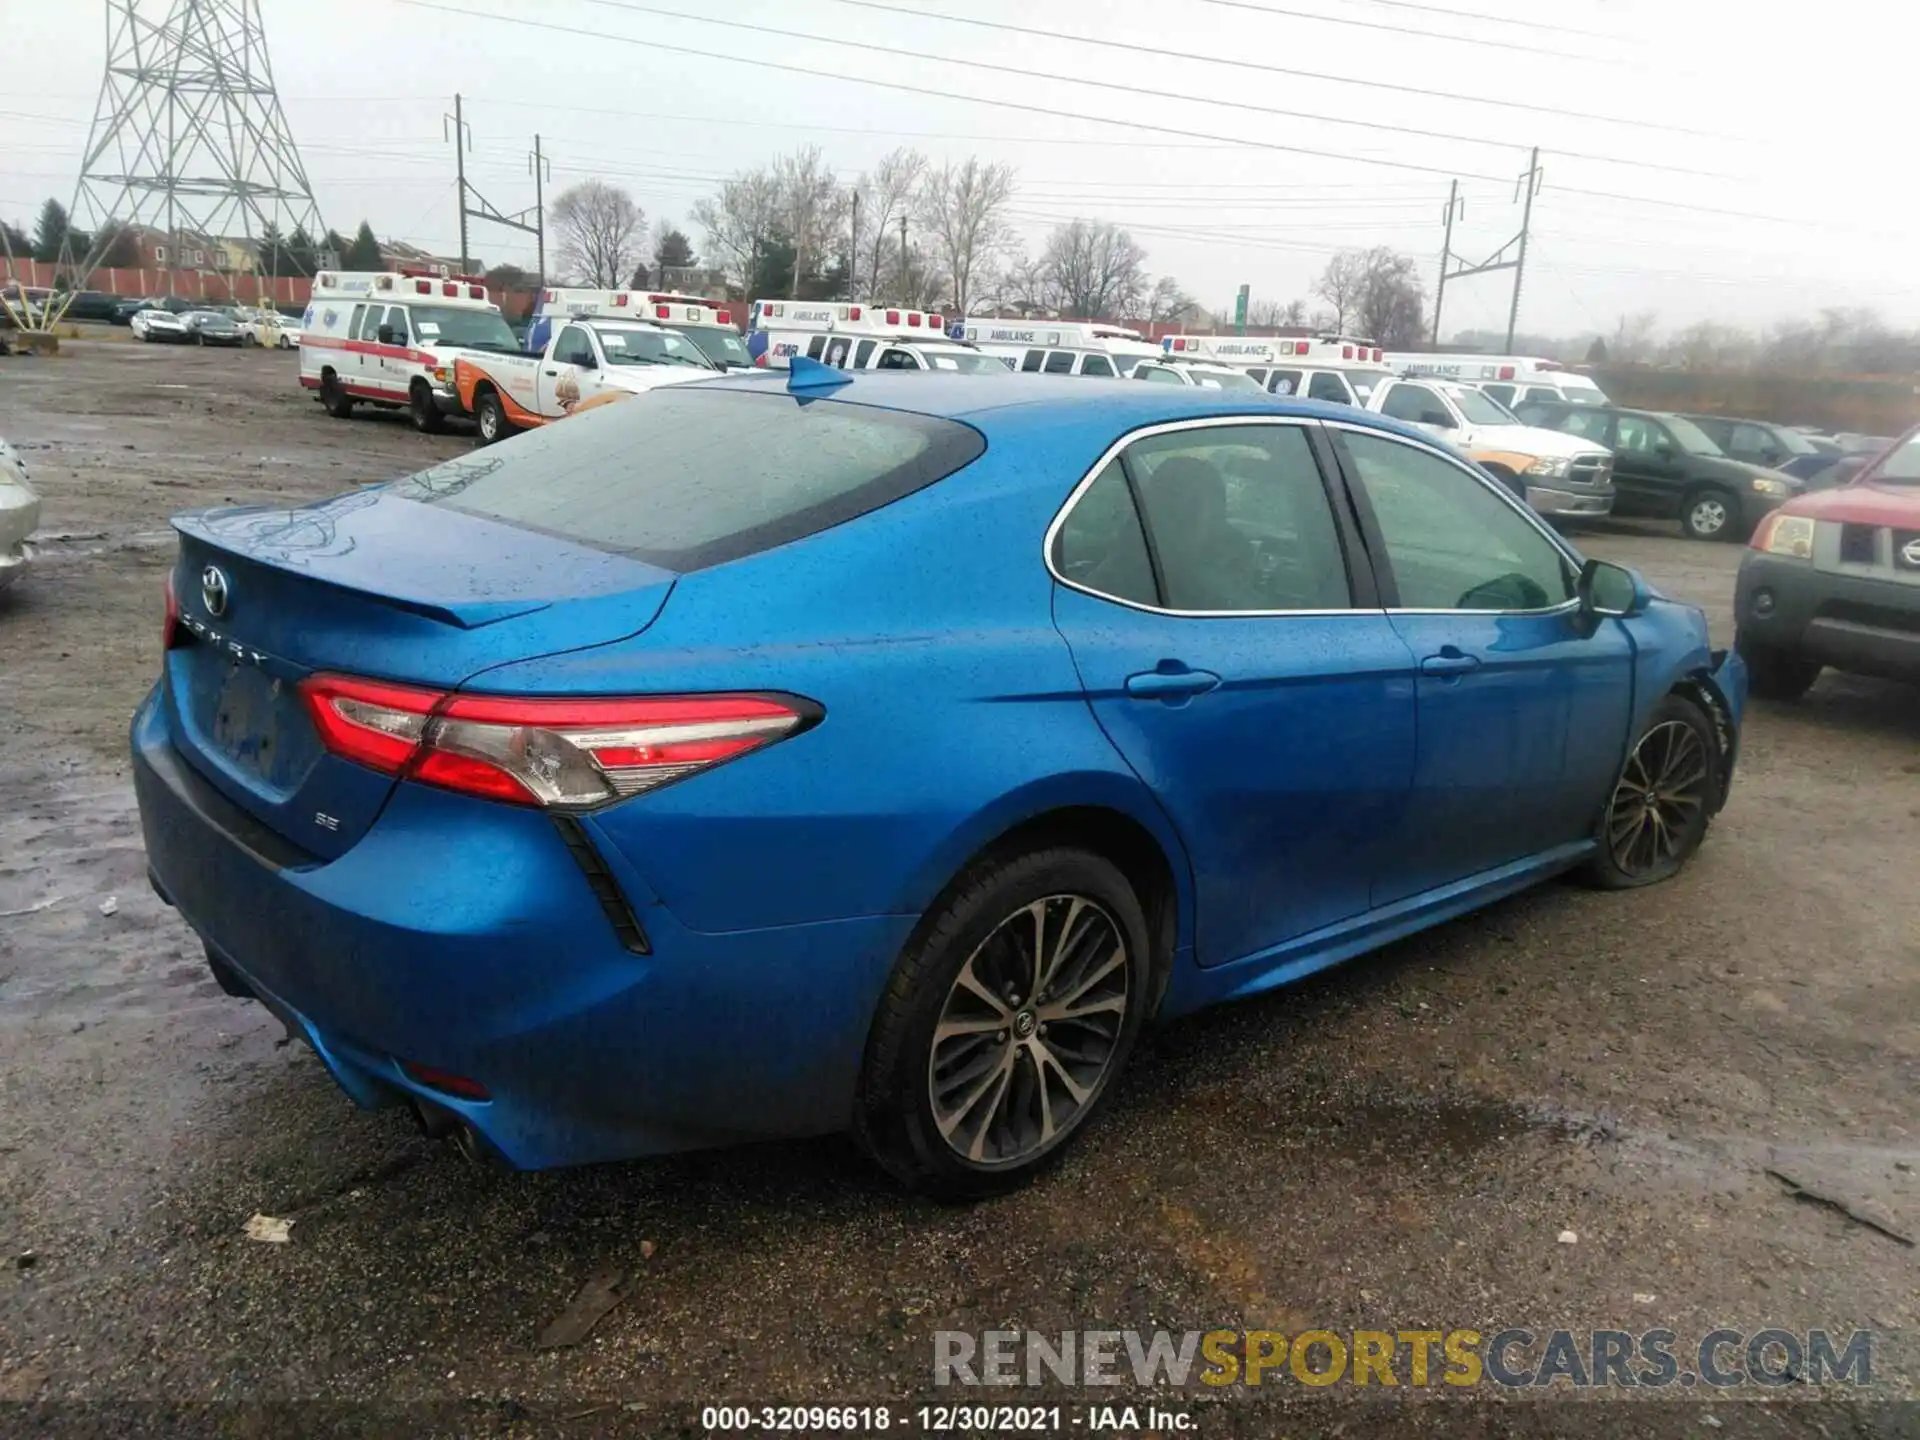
(906, 295)
(1531, 180)
(853, 250)
(1446, 254)
(461, 144)
(1451, 267)
(475, 206)
(542, 171)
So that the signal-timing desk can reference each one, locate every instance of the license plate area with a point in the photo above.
(258, 726)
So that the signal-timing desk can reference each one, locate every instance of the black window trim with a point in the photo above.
(1375, 539)
(1365, 597)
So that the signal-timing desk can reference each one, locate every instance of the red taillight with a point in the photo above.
(661, 312)
(169, 627)
(539, 751)
(726, 316)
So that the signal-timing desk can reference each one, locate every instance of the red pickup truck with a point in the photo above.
(1833, 578)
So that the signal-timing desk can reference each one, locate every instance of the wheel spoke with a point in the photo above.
(1044, 975)
(1062, 1006)
(972, 984)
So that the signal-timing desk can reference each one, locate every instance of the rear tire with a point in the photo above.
(426, 416)
(334, 398)
(1662, 803)
(1711, 513)
(964, 1093)
(1774, 674)
(490, 418)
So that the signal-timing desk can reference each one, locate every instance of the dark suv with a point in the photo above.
(1760, 442)
(1665, 465)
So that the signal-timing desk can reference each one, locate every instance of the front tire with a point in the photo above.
(334, 398)
(1008, 1015)
(1658, 813)
(1711, 514)
(490, 418)
(425, 415)
(1775, 674)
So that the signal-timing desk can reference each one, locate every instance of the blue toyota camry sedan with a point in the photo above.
(879, 754)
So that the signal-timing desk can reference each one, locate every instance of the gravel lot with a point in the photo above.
(1396, 1145)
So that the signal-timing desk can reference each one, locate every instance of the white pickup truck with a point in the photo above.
(585, 358)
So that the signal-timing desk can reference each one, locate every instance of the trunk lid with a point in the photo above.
(373, 585)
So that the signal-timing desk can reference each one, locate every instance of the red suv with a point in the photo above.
(1833, 578)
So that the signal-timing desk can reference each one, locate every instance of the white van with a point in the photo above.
(390, 339)
(1341, 368)
(1510, 379)
(855, 335)
(1060, 347)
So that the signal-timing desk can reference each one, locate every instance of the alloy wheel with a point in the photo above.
(1709, 516)
(1028, 1033)
(1662, 792)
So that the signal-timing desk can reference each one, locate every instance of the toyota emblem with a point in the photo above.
(1910, 552)
(213, 590)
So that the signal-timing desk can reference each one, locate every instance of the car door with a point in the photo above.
(1523, 700)
(396, 362)
(370, 363)
(1330, 385)
(567, 365)
(1647, 471)
(1223, 620)
(1755, 444)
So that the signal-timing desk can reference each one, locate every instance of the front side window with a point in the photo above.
(1587, 424)
(1480, 409)
(371, 321)
(1638, 435)
(1502, 393)
(1100, 545)
(1059, 362)
(1285, 382)
(1325, 385)
(1451, 542)
(1238, 519)
(897, 360)
(573, 347)
(1096, 365)
(862, 353)
(397, 325)
(1417, 405)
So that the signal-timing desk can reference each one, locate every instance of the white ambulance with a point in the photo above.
(390, 338)
(1510, 379)
(1060, 347)
(707, 324)
(855, 335)
(1344, 369)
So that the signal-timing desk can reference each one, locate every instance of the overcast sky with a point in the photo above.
(1786, 112)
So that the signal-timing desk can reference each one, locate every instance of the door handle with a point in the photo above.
(553, 372)
(1449, 662)
(1171, 684)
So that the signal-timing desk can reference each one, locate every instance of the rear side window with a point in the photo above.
(1284, 382)
(1325, 385)
(683, 477)
(1032, 360)
(1101, 547)
(1096, 365)
(1059, 362)
(816, 346)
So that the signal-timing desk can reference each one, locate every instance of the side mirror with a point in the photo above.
(1439, 419)
(586, 361)
(386, 335)
(1612, 591)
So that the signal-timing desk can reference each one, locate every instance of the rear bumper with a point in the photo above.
(465, 937)
(1851, 622)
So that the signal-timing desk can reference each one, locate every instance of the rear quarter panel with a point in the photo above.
(952, 707)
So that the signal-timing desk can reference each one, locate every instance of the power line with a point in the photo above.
(1135, 122)
(1137, 92)
(1408, 30)
(1483, 17)
(1160, 52)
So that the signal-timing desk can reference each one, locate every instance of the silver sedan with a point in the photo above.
(19, 514)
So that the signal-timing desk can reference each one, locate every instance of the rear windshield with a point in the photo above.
(684, 476)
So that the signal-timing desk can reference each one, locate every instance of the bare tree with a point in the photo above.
(602, 232)
(812, 205)
(964, 207)
(1025, 285)
(1341, 283)
(1391, 306)
(1294, 314)
(1632, 338)
(1167, 302)
(738, 222)
(1094, 268)
(886, 193)
(1265, 314)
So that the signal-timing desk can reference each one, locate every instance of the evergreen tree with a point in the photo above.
(364, 252)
